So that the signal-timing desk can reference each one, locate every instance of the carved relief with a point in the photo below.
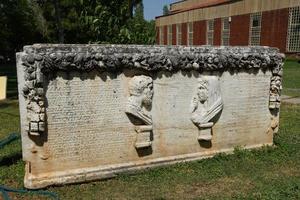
(103, 133)
(205, 106)
(138, 108)
(34, 93)
(39, 60)
(276, 86)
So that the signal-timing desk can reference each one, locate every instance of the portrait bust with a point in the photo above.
(138, 109)
(140, 99)
(206, 104)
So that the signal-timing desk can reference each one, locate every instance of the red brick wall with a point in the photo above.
(184, 33)
(274, 26)
(239, 30)
(199, 32)
(174, 34)
(165, 35)
(196, 35)
(203, 32)
(217, 31)
(157, 35)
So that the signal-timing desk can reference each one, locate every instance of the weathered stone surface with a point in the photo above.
(92, 111)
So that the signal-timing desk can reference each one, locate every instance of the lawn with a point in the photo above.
(265, 173)
(291, 78)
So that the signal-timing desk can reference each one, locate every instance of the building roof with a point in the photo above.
(202, 4)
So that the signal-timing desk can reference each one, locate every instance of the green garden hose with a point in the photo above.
(9, 139)
(5, 190)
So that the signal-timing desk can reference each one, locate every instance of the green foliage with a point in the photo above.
(74, 31)
(104, 19)
(72, 21)
(137, 30)
(21, 23)
(99, 21)
(166, 10)
(110, 23)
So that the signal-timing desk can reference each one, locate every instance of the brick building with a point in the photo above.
(273, 23)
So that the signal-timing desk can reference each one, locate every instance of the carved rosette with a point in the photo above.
(39, 60)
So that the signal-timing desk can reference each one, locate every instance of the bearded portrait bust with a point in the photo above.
(140, 99)
(138, 109)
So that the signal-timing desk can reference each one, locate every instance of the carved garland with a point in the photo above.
(37, 64)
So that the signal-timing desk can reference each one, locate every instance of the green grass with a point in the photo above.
(266, 173)
(291, 78)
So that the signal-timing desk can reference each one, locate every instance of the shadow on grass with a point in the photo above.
(7, 103)
(10, 114)
(4, 105)
(10, 160)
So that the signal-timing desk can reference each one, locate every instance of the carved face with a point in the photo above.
(202, 94)
(148, 94)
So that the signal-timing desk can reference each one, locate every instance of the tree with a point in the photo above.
(131, 5)
(72, 21)
(63, 21)
(166, 10)
(139, 11)
(21, 23)
(104, 19)
(60, 29)
(109, 22)
(138, 30)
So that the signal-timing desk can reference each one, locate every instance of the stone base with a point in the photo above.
(110, 171)
(143, 137)
(205, 132)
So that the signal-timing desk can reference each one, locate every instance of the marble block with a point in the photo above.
(90, 112)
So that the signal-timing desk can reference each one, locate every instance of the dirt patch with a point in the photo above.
(289, 99)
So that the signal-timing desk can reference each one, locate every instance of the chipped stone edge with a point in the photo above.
(110, 171)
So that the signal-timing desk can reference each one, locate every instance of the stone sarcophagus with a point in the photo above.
(90, 112)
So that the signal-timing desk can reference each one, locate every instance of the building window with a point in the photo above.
(225, 31)
(293, 43)
(255, 28)
(170, 35)
(210, 32)
(190, 33)
(178, 34)
(161, 35)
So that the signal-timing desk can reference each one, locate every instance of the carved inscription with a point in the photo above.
(245, 112)
(86, 115)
